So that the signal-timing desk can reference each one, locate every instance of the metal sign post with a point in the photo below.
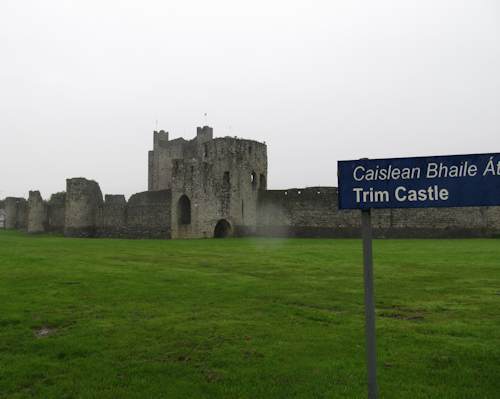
(417, 182)
(371, 352)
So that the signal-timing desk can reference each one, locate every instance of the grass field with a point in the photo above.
(243, 318)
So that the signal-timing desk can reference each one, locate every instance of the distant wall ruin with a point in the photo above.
(16, 213)
(313, 212)
(148, 214)
(83, 200)
(55, 213)
(307, 212)
(37, 213)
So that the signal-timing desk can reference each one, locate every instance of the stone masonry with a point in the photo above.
(216, 187)
(37, 213)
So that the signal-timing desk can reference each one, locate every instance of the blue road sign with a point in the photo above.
(420, 182)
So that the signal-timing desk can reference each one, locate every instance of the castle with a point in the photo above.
(217, 187)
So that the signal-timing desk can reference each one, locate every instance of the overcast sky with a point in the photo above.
(82, 84)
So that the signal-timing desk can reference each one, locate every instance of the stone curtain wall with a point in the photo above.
(2, 214)
(81, 212)
(442, 222)
(148, 214)
(195, 185)
(309, 212)
(112, 220)
(16, 213)
(10, 204)
(56, 210)
(313, 212)
(35, 215)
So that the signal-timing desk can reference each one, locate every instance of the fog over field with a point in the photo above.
(84, 84)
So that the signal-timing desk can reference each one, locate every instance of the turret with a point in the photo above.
(204, 134)
(159, 138)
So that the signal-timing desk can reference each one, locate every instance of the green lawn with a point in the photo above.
(245, 318)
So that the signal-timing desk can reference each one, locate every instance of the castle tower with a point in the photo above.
(215, 183)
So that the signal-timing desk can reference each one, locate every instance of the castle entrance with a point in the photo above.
(222, 229)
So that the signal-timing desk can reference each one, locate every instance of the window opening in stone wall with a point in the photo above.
(242, 210)
(205, 150)
(253, 180)
(184, 210)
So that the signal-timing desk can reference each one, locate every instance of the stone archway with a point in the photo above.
(223, 229)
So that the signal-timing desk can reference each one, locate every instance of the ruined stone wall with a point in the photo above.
(16, 213)
(81, 212)
(442, 222)
(313, 212)
(22, 214)
(2, 214)
(309, 212)
(37, 213)
(112, 220)
(198, 184)
(148, 214)
(83, 201)
(11, 212)
(145, 215)
(56, 209)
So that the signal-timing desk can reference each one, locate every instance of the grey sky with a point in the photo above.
(82, 83)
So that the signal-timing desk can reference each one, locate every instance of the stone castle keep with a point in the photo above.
(217, 187)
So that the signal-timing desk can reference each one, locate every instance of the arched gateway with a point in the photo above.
(222, 229)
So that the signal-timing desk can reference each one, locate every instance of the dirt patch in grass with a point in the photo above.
(212, 375)
(44, 331)
(252, 353)
(402, 313)
(401, 316)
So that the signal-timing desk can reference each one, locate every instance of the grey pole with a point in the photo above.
(371, 354)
